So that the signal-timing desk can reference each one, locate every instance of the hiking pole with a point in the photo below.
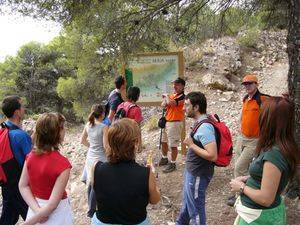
(159, 149)
(160, 138)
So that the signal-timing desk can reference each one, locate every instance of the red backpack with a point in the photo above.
(10, 170)
(223, 139)
(123, 110)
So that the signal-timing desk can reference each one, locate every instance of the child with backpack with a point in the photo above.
(94, 136)
(45, 175)
(207, 145)
(130, 109)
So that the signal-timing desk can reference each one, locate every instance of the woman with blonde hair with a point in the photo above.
(94, 136)
(278, 155)
(45, 175)
(122, 187)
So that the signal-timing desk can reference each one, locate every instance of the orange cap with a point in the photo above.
(250, 78)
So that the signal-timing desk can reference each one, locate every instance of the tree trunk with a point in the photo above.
(293, 44)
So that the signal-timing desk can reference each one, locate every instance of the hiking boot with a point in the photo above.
(163, 162)
(231, 201)
(170, 168)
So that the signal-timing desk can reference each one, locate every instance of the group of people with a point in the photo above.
(119, 189)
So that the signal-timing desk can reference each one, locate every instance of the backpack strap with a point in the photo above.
(12, 127)
(4, 125)
(196, 127)
(210, 121)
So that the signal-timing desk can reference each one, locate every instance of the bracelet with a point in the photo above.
(242, 189)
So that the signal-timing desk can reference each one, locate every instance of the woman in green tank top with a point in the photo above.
(260, 201)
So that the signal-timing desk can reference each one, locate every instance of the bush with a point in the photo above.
(249, 38)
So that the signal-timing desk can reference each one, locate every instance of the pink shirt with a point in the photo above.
(133, 112)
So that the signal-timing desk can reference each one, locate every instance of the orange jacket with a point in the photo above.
(250, 115)
(176, 113)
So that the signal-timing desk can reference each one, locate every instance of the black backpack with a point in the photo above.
(122, 112)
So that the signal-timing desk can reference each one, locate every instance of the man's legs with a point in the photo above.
(164, 148)
(246, 156)
(200, 217)
(174, 130)
(193, 206)
(91, 201)
(184, 217)
(13, 206)
(174, 153)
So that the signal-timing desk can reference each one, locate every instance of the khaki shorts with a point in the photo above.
(172, 133)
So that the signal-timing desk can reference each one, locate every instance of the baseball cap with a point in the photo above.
(179, 80)
(250, 78)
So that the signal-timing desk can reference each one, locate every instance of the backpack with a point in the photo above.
(162, 120)
(122, 112)
(106, 103)
(223, 139)
(10, 170)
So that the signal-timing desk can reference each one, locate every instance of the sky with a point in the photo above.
(17, 30)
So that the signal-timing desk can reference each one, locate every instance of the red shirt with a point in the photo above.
(43, 171)
(133, 111)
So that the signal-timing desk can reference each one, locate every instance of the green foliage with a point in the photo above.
(76, 68)
(249, 38)
(33, 74)
(7, 77)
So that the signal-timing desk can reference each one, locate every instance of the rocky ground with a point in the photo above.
(216, 64)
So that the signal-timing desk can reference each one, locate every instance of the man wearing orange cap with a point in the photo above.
(246, 142)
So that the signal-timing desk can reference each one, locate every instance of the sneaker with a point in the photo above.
(163, 162)
(170, 168)
(231, 201)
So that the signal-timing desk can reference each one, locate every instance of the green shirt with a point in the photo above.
(274, 156)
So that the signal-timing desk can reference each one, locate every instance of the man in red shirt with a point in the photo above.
(172, 132)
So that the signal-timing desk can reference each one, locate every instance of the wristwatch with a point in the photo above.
(242, 189)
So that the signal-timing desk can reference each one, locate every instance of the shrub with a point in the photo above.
(249, 38)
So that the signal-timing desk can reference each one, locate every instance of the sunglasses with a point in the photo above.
(247, 83)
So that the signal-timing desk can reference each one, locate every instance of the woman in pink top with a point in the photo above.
(45, 175)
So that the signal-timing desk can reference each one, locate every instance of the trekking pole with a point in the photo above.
(160, 144)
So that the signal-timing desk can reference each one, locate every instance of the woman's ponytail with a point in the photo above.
(96, 111)
(92, 119)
